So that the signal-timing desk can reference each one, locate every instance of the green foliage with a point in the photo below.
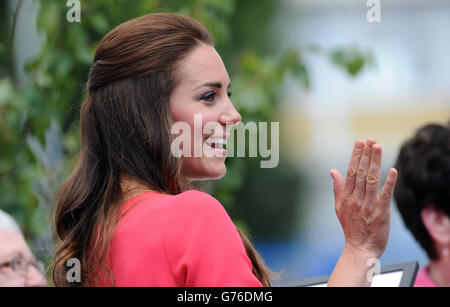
(39, 119)
(352, 60)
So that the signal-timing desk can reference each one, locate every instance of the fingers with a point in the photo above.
(363, 168)
(353, 167)
(338, 186)
(373, 174)
(387, 190)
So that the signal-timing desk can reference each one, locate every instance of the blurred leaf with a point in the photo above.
(6, 91)
(351, 59)
(300, 71)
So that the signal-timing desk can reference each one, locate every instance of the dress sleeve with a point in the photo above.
(202, 245)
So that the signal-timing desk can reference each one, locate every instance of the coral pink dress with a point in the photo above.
(178, 240)
(423, 278)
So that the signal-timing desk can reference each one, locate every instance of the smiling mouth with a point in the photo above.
(217, 144)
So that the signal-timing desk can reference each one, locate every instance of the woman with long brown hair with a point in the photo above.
(128, 211)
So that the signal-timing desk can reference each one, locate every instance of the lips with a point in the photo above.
(216, 143)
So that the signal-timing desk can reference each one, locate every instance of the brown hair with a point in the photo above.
(125, 131)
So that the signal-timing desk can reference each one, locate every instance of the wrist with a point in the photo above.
(352, 268)
(361, 252)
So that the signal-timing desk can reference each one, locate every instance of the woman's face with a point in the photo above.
(201, 100)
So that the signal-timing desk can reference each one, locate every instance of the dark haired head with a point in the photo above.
(150, 45)
(125, 132)
(424, 180)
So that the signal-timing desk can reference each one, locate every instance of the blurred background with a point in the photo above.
(318, 67)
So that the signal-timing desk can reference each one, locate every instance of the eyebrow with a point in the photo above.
(212, 84)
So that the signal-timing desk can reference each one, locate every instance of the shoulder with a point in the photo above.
(180, 206)
(194, 205)
(202, 244)
(190, 212)
(194, 199)
(196, 219)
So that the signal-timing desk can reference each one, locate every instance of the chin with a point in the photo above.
(209, 171)
(218, 175)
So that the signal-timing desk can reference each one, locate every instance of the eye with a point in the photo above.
(18, 262)
(230, 94)
(209, 97)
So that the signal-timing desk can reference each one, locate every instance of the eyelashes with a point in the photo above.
(210, 96)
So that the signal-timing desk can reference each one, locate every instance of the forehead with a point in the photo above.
(202, 64)
(12, 244)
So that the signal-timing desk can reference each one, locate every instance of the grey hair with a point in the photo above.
(8, 223)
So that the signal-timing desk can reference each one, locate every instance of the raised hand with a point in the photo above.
(364, 215)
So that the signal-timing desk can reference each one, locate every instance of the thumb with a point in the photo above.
(338, 184)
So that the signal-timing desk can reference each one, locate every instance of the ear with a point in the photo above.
(437, 224)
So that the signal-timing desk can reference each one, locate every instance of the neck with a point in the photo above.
(440, 271)
(131, 187)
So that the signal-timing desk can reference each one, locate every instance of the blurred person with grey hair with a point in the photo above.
(18, 267)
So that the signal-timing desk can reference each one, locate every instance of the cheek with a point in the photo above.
(191, 113)
(197, 117)
(11, 279)
(180, 114)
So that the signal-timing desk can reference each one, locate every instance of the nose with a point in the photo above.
(35, 278)
(230, 115)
